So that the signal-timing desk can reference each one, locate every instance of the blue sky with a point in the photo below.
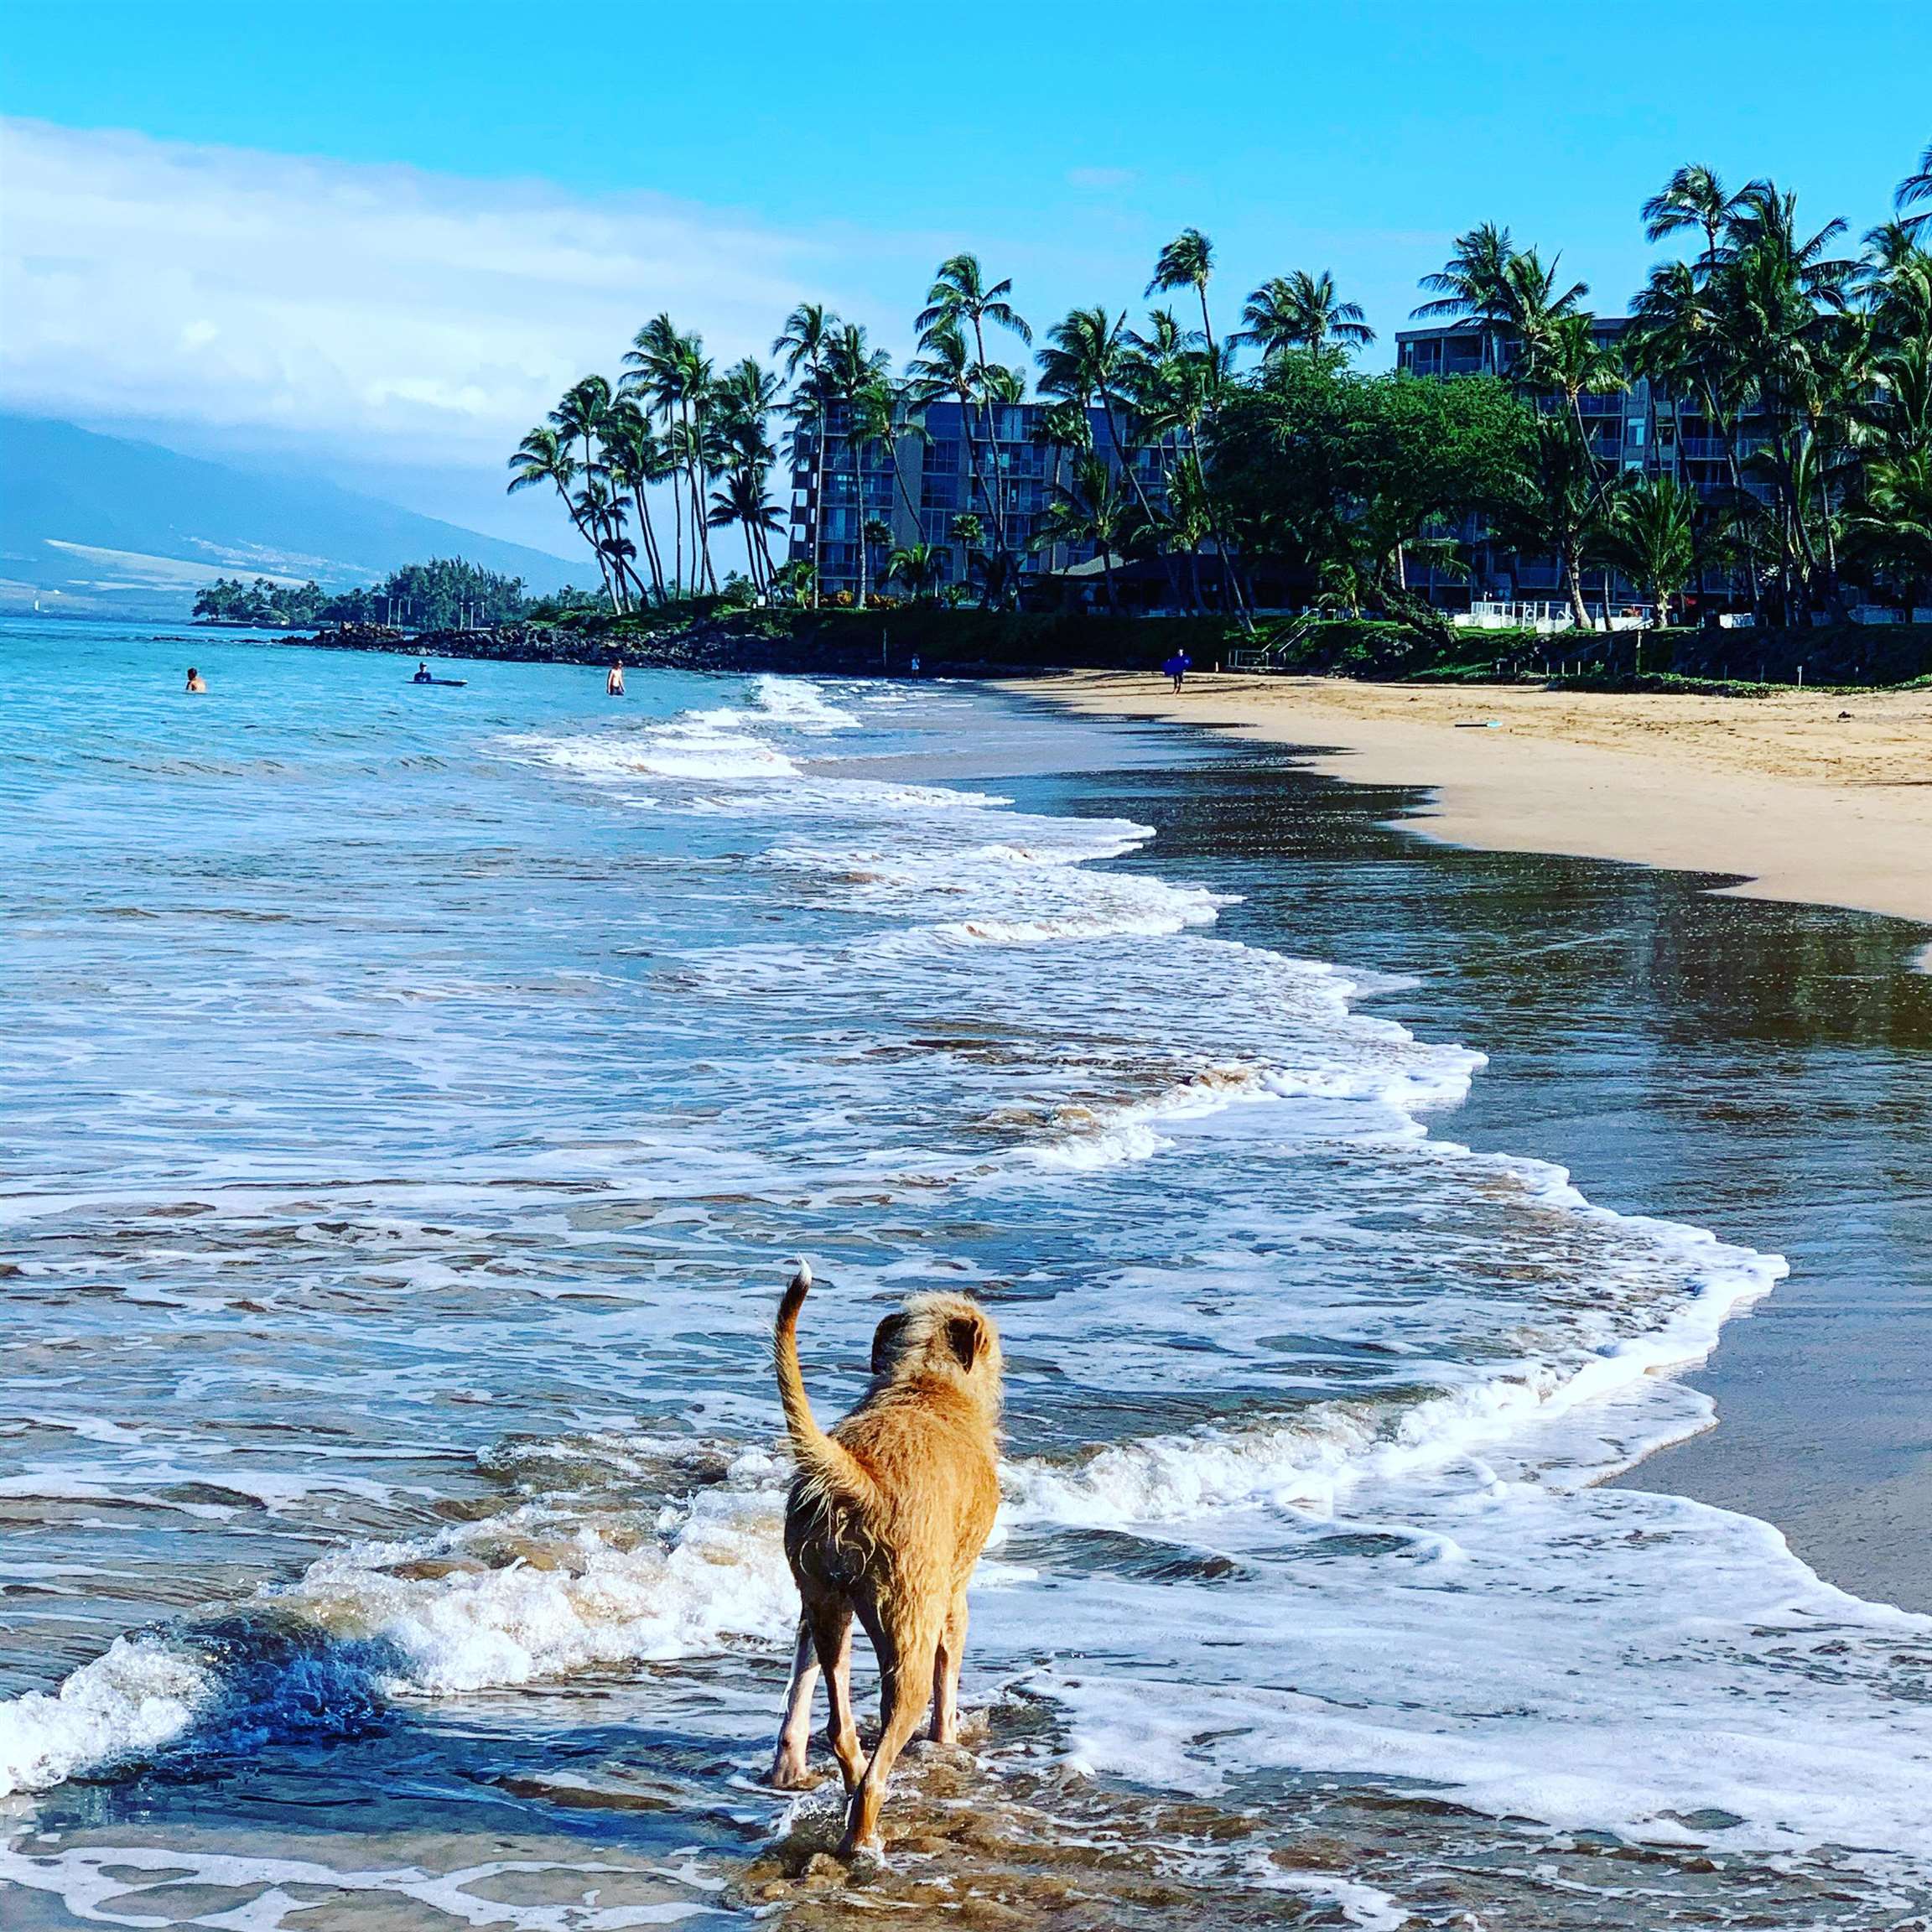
(362, 236)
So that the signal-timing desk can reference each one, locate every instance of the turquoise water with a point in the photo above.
(413, 1100)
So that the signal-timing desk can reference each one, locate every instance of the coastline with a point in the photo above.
(1629, 1025)
(1781, 794)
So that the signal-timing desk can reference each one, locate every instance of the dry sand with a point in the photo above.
(1804, 803)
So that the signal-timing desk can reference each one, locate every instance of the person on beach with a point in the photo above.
(422, 675)
(1176, 667)
(613, 684)
(196, 682)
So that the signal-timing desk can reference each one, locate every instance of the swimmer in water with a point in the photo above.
(196, 682)
(613, 684)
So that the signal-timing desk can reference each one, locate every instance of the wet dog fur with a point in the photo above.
(886, 1518)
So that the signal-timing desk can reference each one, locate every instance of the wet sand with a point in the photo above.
(1757, 1068)
(1824, 798)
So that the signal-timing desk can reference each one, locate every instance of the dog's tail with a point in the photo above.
(828, 1465)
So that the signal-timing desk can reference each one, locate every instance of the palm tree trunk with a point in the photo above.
(677, 520)
(818, 442)
(1733, 469)
(905, 495)
(1573, 575)
(650, 535)
(998, 505)
(978, 481)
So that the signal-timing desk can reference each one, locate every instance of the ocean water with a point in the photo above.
(412, 1100)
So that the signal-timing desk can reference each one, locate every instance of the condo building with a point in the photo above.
(913, 491)
(1643, 429)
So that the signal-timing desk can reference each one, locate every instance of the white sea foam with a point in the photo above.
(701, 746)
(137, 1697)
(802, 705)
(107, 1884)
(1367, 1906)
(587, 1600)
(506, 1600)
(1316, 1460)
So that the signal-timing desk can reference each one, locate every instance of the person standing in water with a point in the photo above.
(196, 682)
(613, 684)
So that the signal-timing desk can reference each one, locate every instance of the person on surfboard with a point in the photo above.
(422, 675)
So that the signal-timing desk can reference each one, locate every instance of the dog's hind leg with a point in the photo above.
(831, 1622)
(789, 1767)
(945, 1675)
(905, 1681)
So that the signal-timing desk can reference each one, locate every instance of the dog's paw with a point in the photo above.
(863, 1858)
(791, 1773)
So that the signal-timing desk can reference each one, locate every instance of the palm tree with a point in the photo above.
(1559, 512)
(1472, 286)
(947, 368)
(851, 369)
(918, 566)
(1651, 534)
(1676, 339)
(1086, 363)
(961, 298)
(1780, 300)
(879, 535)
(743, 501)
(1694, 197)
(1914, 189)
(1534, 307)
(880, 414)
(1088, 508)
(743, 399)
(803, 343)
(635, 459)
(1300, 311)
(1187, 261)
(581, 416)
(1893, 528)
(670, 369)
(542, 457)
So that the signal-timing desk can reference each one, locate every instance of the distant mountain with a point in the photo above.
(99, 526)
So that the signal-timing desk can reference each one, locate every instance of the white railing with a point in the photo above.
(1548, 615)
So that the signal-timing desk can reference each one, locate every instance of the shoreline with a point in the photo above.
(1819, 1428)
(1782, 795)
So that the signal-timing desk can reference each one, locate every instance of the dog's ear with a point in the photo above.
(885, 1342)
(962, 1337)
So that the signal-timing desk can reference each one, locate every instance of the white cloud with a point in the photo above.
(377, 310)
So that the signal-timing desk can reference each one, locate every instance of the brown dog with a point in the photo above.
(887, 1516)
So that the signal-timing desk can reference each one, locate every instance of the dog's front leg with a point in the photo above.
(906, 1666)
(789, 1770)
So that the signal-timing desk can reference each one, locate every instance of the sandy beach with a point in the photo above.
(1821, 797)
